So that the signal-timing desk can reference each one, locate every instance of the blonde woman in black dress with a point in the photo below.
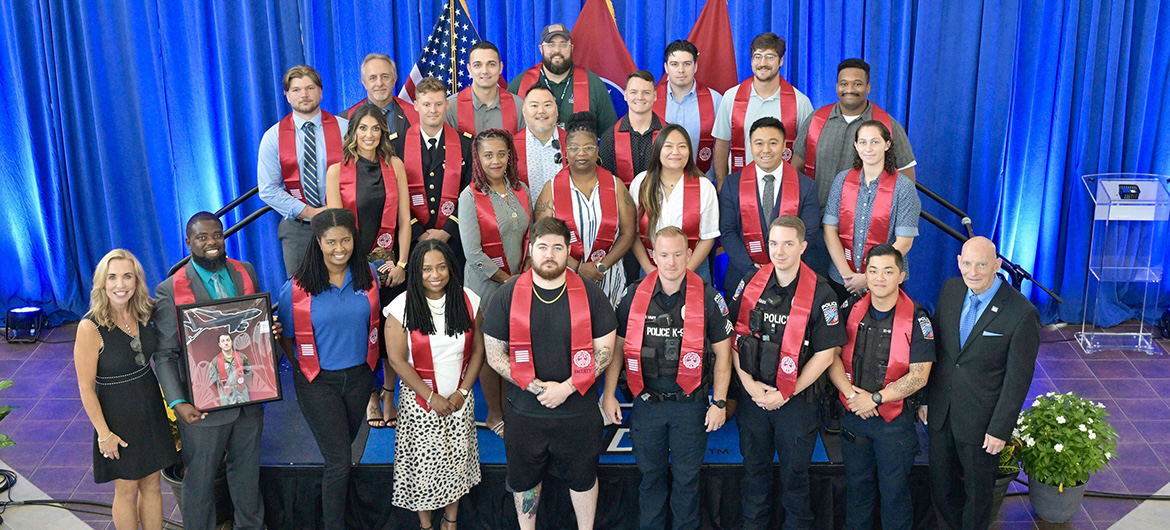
(132, 439)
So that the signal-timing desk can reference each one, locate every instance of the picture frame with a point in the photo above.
(229, 352)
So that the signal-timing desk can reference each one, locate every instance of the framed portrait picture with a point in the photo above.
(229, 353)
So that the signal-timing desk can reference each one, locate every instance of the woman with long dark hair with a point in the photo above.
(600, 213)
(870, 204)
(329, 313)
(370, 181)
(494, 219)
(673, 192)
(434, 345)
(132, 441)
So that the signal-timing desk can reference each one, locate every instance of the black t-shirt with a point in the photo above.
(921, 335)
(826, 327)
(551, 342)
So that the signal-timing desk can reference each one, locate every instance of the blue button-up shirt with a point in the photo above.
(222, 275)
(268, 174)
(984, 299)
(341, 323)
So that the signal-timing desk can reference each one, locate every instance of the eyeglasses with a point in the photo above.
(764, 56)
(574, 149)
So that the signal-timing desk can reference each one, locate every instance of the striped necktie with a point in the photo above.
(309, 182)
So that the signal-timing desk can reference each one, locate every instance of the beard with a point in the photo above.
(211, 264)
(565, 65)
(555, 273)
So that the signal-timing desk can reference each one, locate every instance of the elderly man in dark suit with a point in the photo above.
(209, 436)
(987, 338)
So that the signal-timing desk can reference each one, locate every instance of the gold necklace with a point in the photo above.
(562, 293)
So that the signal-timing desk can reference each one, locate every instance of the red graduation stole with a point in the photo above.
(580, 86)
(794, 329)
(520, 332)
(222, 370)
(347, 184)
(424, 361)
(706, 142)
(452, 175)
(818, 124)
(563, 210)
(749, 204)
(489, 229)
(623, 161)
(520, 141)
(306, 349)
(290, 164)
(743, 95)
(182, 285)
(690, 219)
(879, 219)
(690, 360)
(899, 362)
(406, 106)
(466, 110)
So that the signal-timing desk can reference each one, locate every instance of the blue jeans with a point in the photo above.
(669, 433)
(878, 458)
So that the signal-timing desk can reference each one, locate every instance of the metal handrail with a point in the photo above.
(234, 228)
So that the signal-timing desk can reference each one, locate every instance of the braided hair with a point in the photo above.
(418, 313)
(479, 178)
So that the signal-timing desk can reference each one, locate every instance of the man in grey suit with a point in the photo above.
(988, 335)
(209, 437)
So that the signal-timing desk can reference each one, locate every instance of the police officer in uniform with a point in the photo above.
(671, 370)
(886, 360)
(788, 332)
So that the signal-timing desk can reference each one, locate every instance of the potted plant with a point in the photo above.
(1009, 469)
(5, 441)
(1066, 439)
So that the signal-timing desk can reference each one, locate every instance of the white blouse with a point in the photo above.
(446, 351)
(672, 207)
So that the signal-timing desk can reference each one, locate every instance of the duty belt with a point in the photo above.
(651, 396)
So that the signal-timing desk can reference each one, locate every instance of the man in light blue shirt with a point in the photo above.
(317, 143)
(684, 101)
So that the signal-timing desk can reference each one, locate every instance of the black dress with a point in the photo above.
(133, 407)
(371, 199)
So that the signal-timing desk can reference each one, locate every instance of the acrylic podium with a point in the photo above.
(1126, 252)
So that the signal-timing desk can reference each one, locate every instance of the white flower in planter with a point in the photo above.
(1058, 447)
(1060, 420)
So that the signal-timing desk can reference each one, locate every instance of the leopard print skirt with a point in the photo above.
(436, 459)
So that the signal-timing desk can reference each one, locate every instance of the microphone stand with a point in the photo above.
(1017, 273)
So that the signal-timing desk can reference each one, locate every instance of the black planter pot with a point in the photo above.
(1002, 481)
(223, 500)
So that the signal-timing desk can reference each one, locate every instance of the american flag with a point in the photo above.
(445, 52)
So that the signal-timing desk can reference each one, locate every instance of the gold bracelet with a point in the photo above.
(401, 264)
(430, 397)
(107, 438)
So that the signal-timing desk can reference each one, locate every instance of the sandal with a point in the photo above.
(374, 411)
(498, 429)
(444, 520)
(388, 404)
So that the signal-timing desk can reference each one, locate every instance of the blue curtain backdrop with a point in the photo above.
(124, 117)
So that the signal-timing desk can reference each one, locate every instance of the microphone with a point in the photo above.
(967, 224)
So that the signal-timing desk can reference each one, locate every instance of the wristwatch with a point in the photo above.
(602, 267)
(464, 392)
(877, 397)
(719, 403)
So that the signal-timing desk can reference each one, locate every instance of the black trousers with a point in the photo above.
(204, 447)
(962, 477)
(878, 457)
(791, 433)
(334, 405)
(669, 436)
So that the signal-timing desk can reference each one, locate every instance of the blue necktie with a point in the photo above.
(220, 292)
(309, 166)
(968, 322)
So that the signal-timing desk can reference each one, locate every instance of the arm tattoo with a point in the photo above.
(601, 359)
(496, 353)
(912, 381)
(541, 207)
(630, 201)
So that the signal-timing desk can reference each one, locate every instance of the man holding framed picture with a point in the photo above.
(209, 437)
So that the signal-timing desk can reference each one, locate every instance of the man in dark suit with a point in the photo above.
(988, 335)
(378, 77)
(741, 229)
(434, 184)
(209, 436)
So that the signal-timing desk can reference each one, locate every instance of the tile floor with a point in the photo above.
(53, 447)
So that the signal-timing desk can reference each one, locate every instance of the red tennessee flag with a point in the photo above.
(600, 47)
(712, 36)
